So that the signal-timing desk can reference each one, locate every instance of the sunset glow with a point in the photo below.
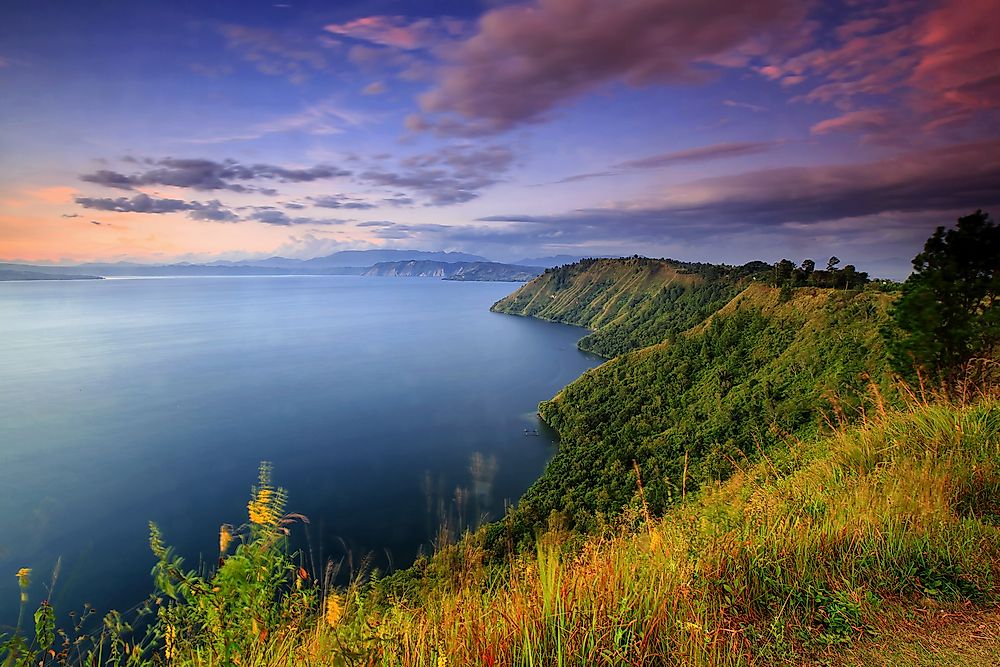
(715, 130)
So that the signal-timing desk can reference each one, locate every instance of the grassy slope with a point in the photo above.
(876, 544)
(836, 541)
(759, 370)
(629, 303)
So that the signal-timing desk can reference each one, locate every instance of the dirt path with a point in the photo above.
(933, 638)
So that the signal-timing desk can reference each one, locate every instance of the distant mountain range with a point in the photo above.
(476, 271)
(449, 265)
(23, 274)
(358, 258)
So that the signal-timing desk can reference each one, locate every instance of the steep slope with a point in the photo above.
(761, 369)
(630, 303)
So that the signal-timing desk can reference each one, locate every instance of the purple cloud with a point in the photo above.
(201, 174)
(526, 59)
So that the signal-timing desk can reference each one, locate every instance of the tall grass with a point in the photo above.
(808, 549)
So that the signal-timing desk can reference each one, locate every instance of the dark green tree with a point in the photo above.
(783, 272)
(946, 317)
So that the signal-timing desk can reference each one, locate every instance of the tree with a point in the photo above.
(831, 265)
(804, 272)
(946, 317)
(783, 272)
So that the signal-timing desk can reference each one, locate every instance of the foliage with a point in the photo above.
(255, 608)
(690, 410)
(818, 545)
(630, 303)
(946, 317)
(785, 274)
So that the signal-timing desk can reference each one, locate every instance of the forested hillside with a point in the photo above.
(633, 302)
(766, 367)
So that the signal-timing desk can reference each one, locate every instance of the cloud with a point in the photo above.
(340, 201)
(274, 53)
(524, 60)
(374, 88)
(213, 210)
(451, 175)
(201, 174)
(141, 203)
(863, 120)
(663, 160)
(323, 118)
(398, 200)
(398, 31)
(273, 216)
(935, 60)
(699, 154)
(744, 105)
(954, 178)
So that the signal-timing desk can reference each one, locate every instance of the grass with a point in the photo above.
(876, 545)
(953, 636)
(790, 560)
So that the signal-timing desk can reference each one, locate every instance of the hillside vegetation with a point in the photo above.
(630, 303)
(762, 369)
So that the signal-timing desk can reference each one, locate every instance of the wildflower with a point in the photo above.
(225, 538)
(334, 610)
(24, 580)
(169, 642)
(260, 507)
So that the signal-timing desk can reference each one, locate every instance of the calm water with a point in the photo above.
(125, 401)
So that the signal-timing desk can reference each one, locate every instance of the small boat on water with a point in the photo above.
(531, 431)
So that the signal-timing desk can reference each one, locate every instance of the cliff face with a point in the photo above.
(481, 271)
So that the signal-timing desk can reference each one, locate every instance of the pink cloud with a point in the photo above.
(523, 60)
(398, 31)
(960, 56)
(940, 64)
(863, 120)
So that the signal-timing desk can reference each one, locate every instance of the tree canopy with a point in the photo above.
(948, 327)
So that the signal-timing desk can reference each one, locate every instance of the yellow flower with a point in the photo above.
(24, 577)
(334, 610)
(169, 639)
(225, 538)
(260, 507)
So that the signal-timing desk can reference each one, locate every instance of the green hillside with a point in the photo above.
(630, 303)
(765, 367)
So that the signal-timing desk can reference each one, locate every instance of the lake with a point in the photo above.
(136, 400)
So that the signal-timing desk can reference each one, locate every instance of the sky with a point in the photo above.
(703, 130)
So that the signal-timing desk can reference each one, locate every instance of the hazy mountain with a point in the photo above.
(372, 257)
(19, 272)
(346, 262)
(127, 269)
(479, 271)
